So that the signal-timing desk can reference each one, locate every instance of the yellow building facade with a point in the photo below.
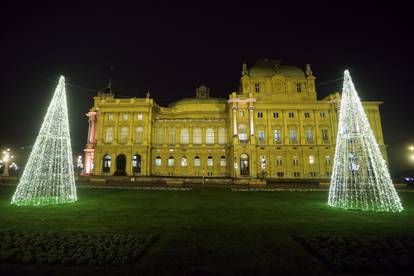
(273, 127)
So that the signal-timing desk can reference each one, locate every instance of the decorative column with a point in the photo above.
(90, 146)
(234, 120)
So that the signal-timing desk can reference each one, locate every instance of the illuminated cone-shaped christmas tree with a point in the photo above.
(48, 177)
(360, 178)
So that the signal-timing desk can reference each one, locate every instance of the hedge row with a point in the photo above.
(69, 248)
(357, 254)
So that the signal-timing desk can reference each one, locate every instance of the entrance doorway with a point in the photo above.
(120, 165)
(244, 165)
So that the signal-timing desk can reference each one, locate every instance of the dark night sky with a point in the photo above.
(171, 49)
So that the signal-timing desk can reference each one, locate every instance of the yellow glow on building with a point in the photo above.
(273, 127)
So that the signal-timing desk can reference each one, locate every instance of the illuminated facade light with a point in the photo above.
(360, 178)
(48, 177)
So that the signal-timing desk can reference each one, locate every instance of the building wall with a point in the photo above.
(249, 119)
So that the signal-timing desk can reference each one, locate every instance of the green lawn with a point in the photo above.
(208, 231)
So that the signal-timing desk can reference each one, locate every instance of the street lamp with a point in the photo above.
(411, 152)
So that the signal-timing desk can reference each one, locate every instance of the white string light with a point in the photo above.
(48, 177)
(360, 178)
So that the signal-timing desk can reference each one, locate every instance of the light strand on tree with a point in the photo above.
(48, 177)
(360, 178)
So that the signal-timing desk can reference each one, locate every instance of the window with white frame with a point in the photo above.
(171, 161)
(184, 161)
(171, 135)
(108, 135)
(309, 135)
(197, 136)
(298, 87)
(311, 159)
(222, 135)
(295, 161)
(292, 135)
(184, 136)
(138, 134)
(196, 161)
(291, 114)
(327, 160)
(279, 161)
(209, 136)
(123, 135)
(139, 117)
(259, 114)
(257, 87)
(263, 163)
(110, 116)
(307, 114)
(325, 136)
(223, 162)
(277, 136)
(275, 114)
(296, 174)
(125, 116)
(210, 161)
(322, 113)
(242, 132)
(158, 161)
(261, 135)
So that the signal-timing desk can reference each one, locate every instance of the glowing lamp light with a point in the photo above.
(360, 178)
(48, 177)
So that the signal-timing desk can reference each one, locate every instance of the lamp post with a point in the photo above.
(6, 160)
(411, 152)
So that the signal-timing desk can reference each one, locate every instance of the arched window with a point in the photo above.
(108, 135)
(106, 163)
(171, 135)
(197, 136)
(184, 161)
(210, 161)
(196, 161)
(293, 135)
(209, 136)
(138, 134)
(158, 161)
(222, 135)
(263, 162)
(184, 136)
(223, 162)
(170, 161)
(136, 163)
(309, 135)
(124, 135)
(277, 136)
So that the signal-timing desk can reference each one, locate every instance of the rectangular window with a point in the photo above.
(275, 114)
(158, 162)
(110, 116)
(125, 116)
(261, 135)
(259, 114)
(171, 135)
(279, 161)
(328, 173)
(170, 162)
(313, 174)
(184, 136)
(280, 174)
(296, 174)
(159, 136)
(307, 115)
(223, 162)
(196, 161)
(210, 161)
(277, 136)
(327, 160)
(222, 135)
(241, 113)
(293, 135)
(291, 114)
(309, 135)
(311, 159)
(257, 87)
(139, 117)
(295, 161)
(209, 136)
(298, 87)
(322, 114)
(197, 136)
(325, 136)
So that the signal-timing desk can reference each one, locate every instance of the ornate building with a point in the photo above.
(273, 127)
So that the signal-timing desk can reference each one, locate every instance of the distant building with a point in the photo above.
(273, 127)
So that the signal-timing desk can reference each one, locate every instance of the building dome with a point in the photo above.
(269, 68)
